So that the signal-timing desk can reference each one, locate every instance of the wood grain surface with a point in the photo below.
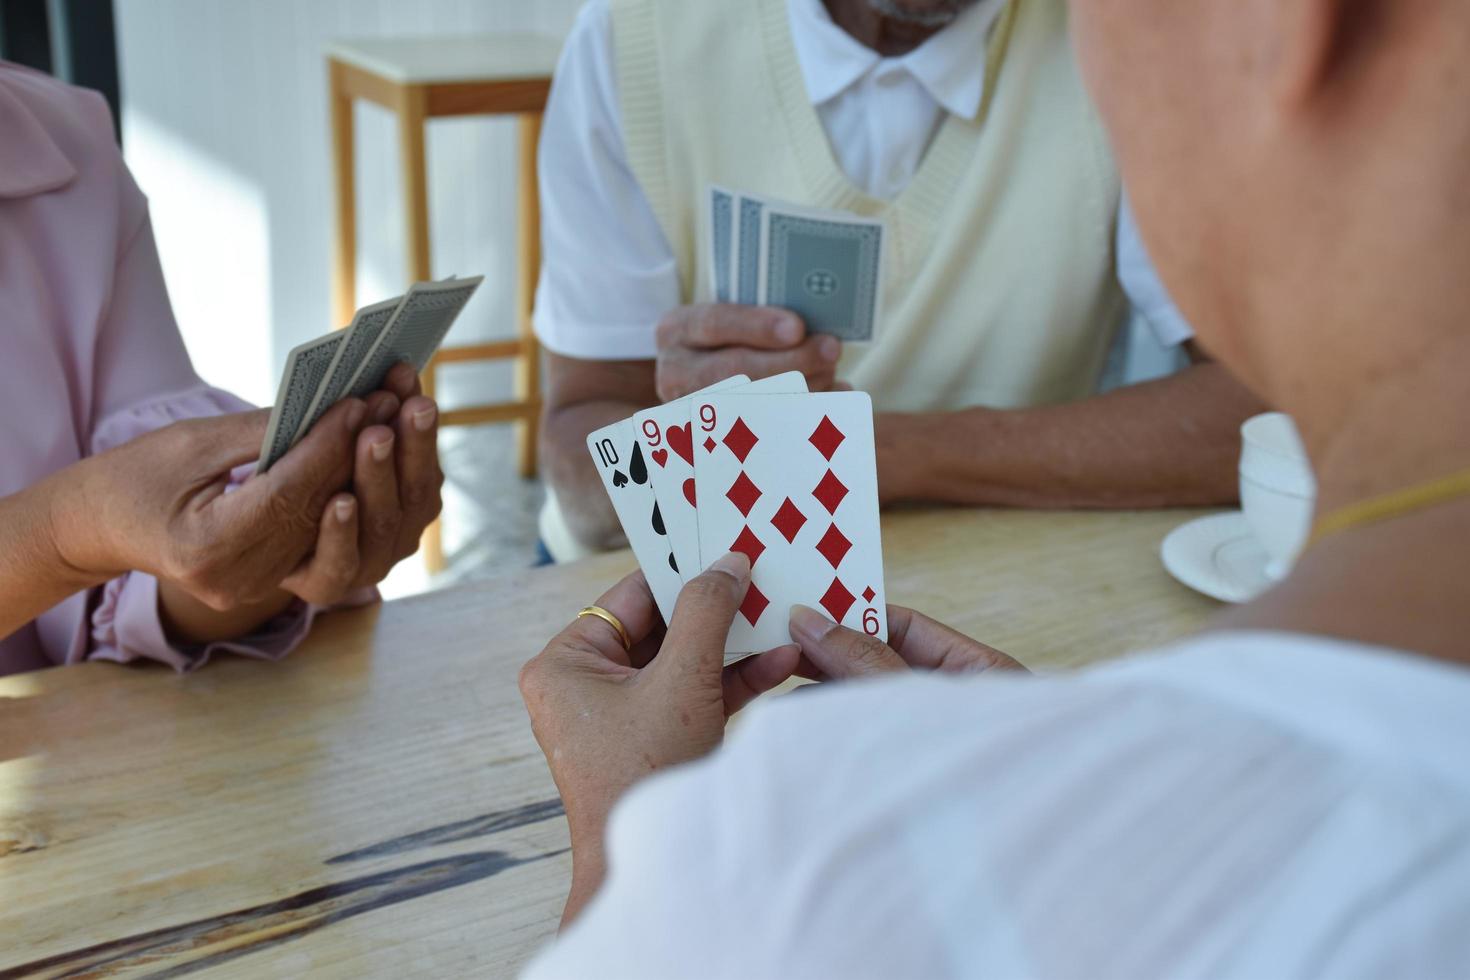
(375, 805)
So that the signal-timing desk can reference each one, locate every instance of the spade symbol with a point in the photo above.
(638, 469)
(620, 479)
(672, 564)
(658, 521)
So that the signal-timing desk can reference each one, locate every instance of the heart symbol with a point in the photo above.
(681, 441)
(660, 456)
(689, 492)
(620, 479)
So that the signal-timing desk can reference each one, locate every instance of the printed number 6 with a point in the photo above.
(870, 621)
(707, 417)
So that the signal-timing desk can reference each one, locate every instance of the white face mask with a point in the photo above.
(933, 14)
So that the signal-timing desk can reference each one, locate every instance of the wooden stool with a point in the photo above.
(420, 79)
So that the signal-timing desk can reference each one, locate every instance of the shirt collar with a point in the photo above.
(30, 161)
(950, 65)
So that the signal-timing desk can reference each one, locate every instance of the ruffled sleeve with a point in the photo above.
(125, 624)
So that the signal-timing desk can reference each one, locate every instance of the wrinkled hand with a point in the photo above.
(158, 503)
(832, 652)
(606, 717)
(396, 483)
(700, 345)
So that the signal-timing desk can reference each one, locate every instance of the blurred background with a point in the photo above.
(222, 109)
(223, 117)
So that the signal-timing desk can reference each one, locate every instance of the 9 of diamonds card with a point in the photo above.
(791, 481)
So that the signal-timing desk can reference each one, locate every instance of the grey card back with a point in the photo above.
(417, 329)
(722, 228)
(826, 272)
(747, 282)
(359, 338)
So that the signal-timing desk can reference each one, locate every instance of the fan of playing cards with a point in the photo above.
(824, 266)
(352, 363)
(765, 468)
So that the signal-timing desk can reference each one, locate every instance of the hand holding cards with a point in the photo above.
(824, 266)
(764, 468)
(353, 362)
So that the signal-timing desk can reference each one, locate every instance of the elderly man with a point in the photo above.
(962, 125)
(1285, 795)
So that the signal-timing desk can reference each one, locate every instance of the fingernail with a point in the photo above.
(382, 449)
(344, 510)
(735, 565)
(423, 419)
(355, 414)
(809, 625)
(387, 408)
(830, 348)
(788, 330)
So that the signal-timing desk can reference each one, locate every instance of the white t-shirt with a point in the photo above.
(1250, 805)
(609, 272)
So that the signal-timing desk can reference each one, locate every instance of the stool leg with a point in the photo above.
(344, 257)
(412, 121)
(528, 365)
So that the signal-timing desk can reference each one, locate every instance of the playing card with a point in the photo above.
(722, 235)
(791, 481)
(668, 445)
(826, 268)
(367, 325)
(415, 331)
(306, 366)
(624, 470)
(623, 464)
(748, 211)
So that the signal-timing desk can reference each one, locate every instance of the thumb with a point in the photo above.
(839, 652)
(695, 642)
(317, 466)
(232, 439)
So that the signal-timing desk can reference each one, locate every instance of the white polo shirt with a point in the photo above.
(609, 273)
(1251, 805)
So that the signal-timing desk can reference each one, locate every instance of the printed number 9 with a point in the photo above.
(870, 621)
(707, 417)
(651, 433)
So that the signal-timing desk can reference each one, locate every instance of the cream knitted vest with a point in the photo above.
(999, 282)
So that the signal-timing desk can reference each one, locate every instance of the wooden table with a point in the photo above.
(375, 804)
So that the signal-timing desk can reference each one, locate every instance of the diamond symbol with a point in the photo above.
(743, 493)
(740, 440)
(755, 603)
(709, 444)
(829, 492)
(748, 545)
(834, 546)
(788, 520)
(869, 594)
(837, 600)
(827, 437)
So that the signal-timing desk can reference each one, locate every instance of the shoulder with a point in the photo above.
(54, 131)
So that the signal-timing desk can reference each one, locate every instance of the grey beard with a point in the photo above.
(938, 16)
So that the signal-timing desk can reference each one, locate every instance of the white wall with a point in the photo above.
(225, 127)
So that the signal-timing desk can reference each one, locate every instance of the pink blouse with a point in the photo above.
(90, 356)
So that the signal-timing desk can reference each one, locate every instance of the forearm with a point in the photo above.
(36, 571)
(1172, 442)
(573, 475)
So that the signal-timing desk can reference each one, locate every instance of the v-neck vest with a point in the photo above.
(999, 283)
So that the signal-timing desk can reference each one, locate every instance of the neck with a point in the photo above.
(1399, 583)
(890, 38)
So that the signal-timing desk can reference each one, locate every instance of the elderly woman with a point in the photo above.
(123, 533)
(1287, 794)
